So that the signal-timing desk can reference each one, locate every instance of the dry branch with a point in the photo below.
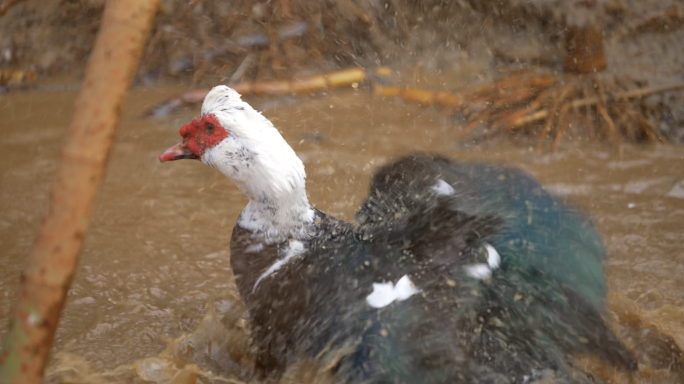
(330, 80)
(46, 279)
(632, 94)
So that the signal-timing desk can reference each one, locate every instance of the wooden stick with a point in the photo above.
(562, 126)
(633, 94)
(557, 100)
(602, 108)
(47, 277)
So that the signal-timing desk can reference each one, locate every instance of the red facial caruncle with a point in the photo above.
(198, 135)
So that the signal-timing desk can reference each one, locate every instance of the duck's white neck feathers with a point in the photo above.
(262, 165)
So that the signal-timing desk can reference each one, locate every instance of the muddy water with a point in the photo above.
(155, 258)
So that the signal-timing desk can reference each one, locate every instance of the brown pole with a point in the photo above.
(46, 279)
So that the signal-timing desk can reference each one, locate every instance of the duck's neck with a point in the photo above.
(278, 218)
(273, 178)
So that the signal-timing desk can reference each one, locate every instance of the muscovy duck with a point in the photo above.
(453, 272)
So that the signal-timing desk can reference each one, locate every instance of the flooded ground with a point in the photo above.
(156, 255)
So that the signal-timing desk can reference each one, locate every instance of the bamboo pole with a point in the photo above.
(46, 279)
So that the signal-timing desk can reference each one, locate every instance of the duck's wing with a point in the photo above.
(549, 292)
(551, 253)
(540, 231)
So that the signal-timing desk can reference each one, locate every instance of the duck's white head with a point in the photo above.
(233, 138)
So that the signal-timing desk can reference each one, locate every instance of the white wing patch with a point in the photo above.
(404, 288)
(479, 271)
(385, 293)
(443, 188)
(296, 248)
(254, 248)
(484, 271)
(493, 258)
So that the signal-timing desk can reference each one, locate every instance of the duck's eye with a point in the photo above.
(210, 128)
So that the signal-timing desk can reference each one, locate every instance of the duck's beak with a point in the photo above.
(177, 152)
